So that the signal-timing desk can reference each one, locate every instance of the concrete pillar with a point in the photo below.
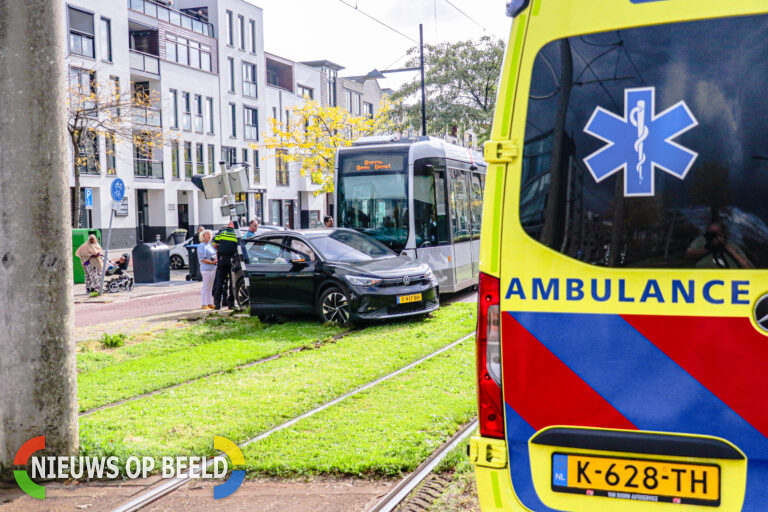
(37, 361)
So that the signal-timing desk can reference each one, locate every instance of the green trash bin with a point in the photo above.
(79, 237)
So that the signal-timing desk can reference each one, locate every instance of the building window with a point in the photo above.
(88, 162)
(186, 103)
(175, 108)
(205, 58)
(229, 155)
(81, 33)
(211, 158)
(281, 164)
(175, 159)
(182, 51)
(233, 120)
(209, 107)
(200, 159)
(231, 69)
(256, 165)
(82, 84)
(272, 77)
(253, 35)
(353, 102)
(198, 113)
(241, 27)
(368, 110)
(188, 159)
(106, 39)
(306, 92)
(230, 29)
(109, 151)
(249, 80)
(115, 82)
(251, 120)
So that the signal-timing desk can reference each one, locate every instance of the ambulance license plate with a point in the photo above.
(405, 299)
(636, 479)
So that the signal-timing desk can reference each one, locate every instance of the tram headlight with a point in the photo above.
(363, 280)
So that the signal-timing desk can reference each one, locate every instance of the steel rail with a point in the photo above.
(152, 495)
(398, 493)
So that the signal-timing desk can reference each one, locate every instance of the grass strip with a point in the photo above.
(185, 354)
(382, 432)
(241, 404)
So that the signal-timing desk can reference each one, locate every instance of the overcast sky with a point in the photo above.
(302, 30)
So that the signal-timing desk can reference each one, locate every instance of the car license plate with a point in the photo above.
(636, 479)
(404, 299)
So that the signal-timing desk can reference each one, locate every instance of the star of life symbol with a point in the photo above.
(640, 142)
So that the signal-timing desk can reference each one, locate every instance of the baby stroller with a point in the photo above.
(122, 280)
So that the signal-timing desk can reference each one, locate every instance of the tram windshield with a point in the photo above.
(373, 196)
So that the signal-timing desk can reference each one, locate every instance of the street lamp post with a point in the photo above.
(380, 74)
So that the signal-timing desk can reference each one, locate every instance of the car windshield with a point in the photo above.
(349, 246)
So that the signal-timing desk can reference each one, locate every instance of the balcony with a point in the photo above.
(148, 116)
(145, 168)
(145, 62)
(163, 13)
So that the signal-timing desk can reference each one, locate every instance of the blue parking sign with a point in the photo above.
(89, 199)
(117, 189)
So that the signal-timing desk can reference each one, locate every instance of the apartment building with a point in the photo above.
(215, 86)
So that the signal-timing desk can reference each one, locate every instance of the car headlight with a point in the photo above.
(363, 281)
(431, 276)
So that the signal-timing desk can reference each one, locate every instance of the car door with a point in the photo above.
(303, 281)
(277, 278)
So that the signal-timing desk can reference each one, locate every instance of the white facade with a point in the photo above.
(205, 61)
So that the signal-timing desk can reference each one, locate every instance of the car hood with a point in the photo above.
(384, 267)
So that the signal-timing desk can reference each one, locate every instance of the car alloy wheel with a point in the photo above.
(335, 307)
(177, 262)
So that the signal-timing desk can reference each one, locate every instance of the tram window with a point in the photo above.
(476, 205)
(460, 206)
(429, 216)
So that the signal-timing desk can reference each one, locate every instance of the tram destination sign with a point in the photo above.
(373, 162)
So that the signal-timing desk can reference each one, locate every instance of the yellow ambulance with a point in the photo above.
(622, 343)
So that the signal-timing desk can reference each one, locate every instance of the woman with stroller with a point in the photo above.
(90, 256)
(206, 254)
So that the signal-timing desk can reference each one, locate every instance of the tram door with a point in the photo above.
(461, 226)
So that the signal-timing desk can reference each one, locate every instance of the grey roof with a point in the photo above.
(321, 63)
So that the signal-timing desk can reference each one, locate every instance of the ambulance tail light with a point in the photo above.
(488, 339)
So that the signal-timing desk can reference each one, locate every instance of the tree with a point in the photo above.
(101, 109)
(460, 81)
(313, 134)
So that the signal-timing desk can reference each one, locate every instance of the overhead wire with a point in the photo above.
(378, 21)
(470, 18)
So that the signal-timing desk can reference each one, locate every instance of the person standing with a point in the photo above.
(196, 238)
(226, 249)
(206, 254)
(90, 256)
(253, 226)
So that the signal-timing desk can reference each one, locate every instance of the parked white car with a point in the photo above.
(180, 256)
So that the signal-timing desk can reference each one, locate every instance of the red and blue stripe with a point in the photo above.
(696, 375)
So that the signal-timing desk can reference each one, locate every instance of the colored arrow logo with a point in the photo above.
(22, 477)
(235, 480)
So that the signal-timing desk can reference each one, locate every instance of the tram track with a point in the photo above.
(151, 495)
(313, 346)
(400, 492)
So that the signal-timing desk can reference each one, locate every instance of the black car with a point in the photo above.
(339, 274)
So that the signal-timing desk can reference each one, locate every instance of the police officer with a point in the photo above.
(225, 242)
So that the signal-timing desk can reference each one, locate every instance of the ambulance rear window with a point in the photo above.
(648, 147)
